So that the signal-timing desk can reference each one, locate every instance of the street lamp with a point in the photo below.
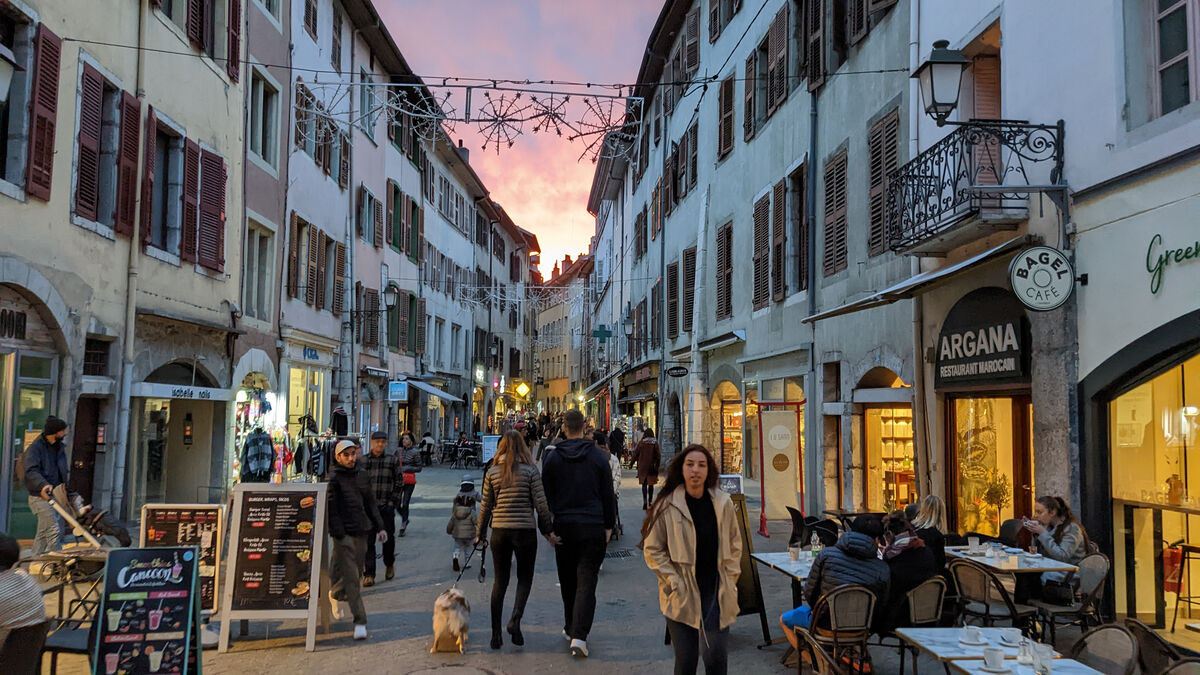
(627, 325)
(390, 296)
(8, 66)
(940, 77)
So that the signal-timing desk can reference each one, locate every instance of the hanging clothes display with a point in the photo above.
(258, 457)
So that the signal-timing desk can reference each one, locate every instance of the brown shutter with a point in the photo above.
(856, 20)
(344, 163)
(210, 246)
(834, 259)
(371, 305)
(725, 140)
(293, 268)
(668, 87)
(723, 289)
(421, 235)
(301, 118)
(673, 300)
(689, 289)
(762, 251)
(359, 213)
(714, 20)
(310, 268)
(43, 116)
(378, 224)
(191, 196)
(691, 41)
(694, 153)
(420, 346)
(681, 167)
(389, 225)
(91, 120)
(405, 217)
(339, 278)
(322, 243)
(127, 153)
(751, 83)
(147, 212)
(779, 54)
(234, 39)
(882, 144)
(815, 44)
(403, 303)
(801, 202)
(778, 241)
(195, 22)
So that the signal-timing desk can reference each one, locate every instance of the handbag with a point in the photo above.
(1058, 592)
(410, 479)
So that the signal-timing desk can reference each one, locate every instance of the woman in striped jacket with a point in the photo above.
(512, 492)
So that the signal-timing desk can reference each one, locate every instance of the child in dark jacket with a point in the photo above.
(463, 521)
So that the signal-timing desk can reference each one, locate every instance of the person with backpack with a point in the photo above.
(463, 519)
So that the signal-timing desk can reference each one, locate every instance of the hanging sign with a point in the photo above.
(677, 371)
(1041, 277)
(398, 391)
(983, 340)
(199, 525)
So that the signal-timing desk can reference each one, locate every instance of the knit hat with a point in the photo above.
(343, 446)
(467, 480)
(53, 425)
(379, 434)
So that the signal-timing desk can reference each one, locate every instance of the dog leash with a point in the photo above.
(482, 548)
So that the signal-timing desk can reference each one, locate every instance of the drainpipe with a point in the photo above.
(812, 412)
(920, 406)
(350, 371)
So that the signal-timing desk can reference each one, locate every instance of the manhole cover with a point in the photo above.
(619, 553)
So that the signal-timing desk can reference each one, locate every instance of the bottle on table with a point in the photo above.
(815, 544)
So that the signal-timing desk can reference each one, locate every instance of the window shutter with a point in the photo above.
(673, 300)
(691, 49)
(371, 304)
(403, 304)
(310, 268)
(194, 23)
(300, 118)
(723, 289)
(834, 259)
(856, 20)
(714, 20)
(359, 210)
(293, 269)
(127, 152)
(751, 83)
(147, 197)
(43, 116)
(191, 196)
(377, 223)
(234, 39)
(725, 140)
(421, 235)
(405, 216)
(668, 85)
(689, 289)
(882, 144)
(91, 102)
(683, 156)
(322, 243)
(420, 346)
(779, 54)
(339, 278)
(344, 163)
(210, 247)
(762, 251)
(310, 17)
(389, 225)
(694, 152)
(879, 5)
(815, 44)
(778, 241)
(801, 202)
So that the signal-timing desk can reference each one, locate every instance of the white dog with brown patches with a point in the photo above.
(451, 622)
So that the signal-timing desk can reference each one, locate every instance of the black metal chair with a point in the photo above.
(1155, 655)
(1110, 648)
(827, 532)
(801, 527)
(21, 653)
(982, 596)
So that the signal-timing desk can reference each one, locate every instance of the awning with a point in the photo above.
(637, 397)
(920, 283)
(430, 389)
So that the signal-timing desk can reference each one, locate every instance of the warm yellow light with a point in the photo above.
(522, 389)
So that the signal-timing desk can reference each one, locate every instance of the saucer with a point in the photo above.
(1006, 643)
(980, 643)
(1033, 555)
(1001, 669)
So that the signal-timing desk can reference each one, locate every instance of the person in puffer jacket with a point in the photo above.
(463, 521)
(853, 560)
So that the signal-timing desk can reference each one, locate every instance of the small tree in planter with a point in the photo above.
(997, 492)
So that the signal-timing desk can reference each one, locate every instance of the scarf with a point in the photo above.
(902, 544)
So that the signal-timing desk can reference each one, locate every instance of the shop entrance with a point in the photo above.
(991, 456)
(84, 445)
(27, 381)
(727, 405)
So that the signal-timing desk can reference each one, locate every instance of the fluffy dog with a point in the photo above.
(451, 621)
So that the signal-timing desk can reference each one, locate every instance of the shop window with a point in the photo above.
(992, 456)
(95, 357)
(36, 368)
(890, 476)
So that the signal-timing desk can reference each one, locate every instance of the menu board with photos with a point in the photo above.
(199, 525)
(148, 613)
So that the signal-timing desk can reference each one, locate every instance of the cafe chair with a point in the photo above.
(820, 662)
(1155, 654)
(1182, 667)
(1093, 570)
(800, 525)
(21, 653)
(1110, 648)
(69, 636)
(827, 532)
(841, 622)
(1013, 533)
(983, 596)
(924, 609)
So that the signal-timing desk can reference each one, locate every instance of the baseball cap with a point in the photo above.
(343, 446)
(379, 434)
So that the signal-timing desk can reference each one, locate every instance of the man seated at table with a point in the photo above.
(21, 603)
(853, 560)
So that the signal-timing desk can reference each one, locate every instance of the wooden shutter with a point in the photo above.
(673, 300)
(360, 214)
(234, 39)
(668, 84)
(778, 241)
(371, 302)
(310, 268)
(694, 153)
(879, 5)
(689, 289)
(762, 251)
(751, 84)
(421, 235)
(210, 247)
(725, 139)
(779, 54)
(987, 164)
(339, 278)
(856, 20)
(310, 17)
(682, 156)
(815, 44)
(421, 328)
(801, 208)
(714, 20)
(147, 212)
(389, 225)
(127, 153)
(691, 43)
(405, 216)
(91, 121)
(293, 268)
(322, 291)
(724, 304)
(301, 117)
(43, 118)
(834, 259)
(344, 163)
(883, 147)
(377, 224)
(195, 22)
(404, 306)
(191, 196)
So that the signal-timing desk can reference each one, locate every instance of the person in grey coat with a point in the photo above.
(853, 560)
(410, 459)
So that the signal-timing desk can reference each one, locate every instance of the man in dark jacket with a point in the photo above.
(353, 515)
(383, 473)
(46, 468)
(579, 489)
(853, 560)
(616, 442)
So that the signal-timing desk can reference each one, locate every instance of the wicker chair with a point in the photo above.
(841, 622)
(1093, 570)
(924, 609)
(1110, 648)
(1155, 654)
(983, 596)
(820, 662)
(1183, 667)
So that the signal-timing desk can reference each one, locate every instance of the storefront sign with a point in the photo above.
(1158, 258)
(677, 371)
(480, 374)
(311, 354)
(982, 340)
(397, 391)
(155, 390)
(12, 324)
(1041, 277)
(780, 435)
(199, 525)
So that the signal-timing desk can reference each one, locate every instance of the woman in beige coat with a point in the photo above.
(692, 543)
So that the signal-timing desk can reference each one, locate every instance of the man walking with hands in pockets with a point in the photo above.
(579, 489)
(353, 515)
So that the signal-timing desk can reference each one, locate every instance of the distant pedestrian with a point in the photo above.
(692, 543)
(512, 494)
(648, 457)
(46, 467)
(352, 516)
(426, 447)
(386, 479)
(579, 488)
(411, 463)
(463, 521)
(616, 442)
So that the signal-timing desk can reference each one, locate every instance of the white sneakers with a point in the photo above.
(579, 648)
(360, 631)
(336, 608)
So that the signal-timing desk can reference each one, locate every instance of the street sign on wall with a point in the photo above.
(397, 391)
(677, 371)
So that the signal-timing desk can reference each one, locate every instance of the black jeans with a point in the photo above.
(505, 543)
(690, 644)
(406, 492)
(647, 493)
(388, 514)
(579, 556)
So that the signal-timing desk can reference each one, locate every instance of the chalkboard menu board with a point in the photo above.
(149, 616)
(750, 597)
(199, 525)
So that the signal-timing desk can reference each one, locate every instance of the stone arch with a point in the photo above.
(30, 282)
(182, 372)
(872, 366)
(255, 361)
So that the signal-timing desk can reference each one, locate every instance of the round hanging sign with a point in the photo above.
(1041, 277)
(677, 371)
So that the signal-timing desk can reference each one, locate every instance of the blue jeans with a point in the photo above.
(801, 617)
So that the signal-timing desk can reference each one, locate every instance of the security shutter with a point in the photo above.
(762, 251)
(689, 289)
(91, 121)
(127, 154)
(191, 197)
(778, 241)
(43, 116)
(834, 259)
(210, 247)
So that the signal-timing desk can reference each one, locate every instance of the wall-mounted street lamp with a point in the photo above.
(627, 325)
(391, 296)
(940, 78)
(8, 66)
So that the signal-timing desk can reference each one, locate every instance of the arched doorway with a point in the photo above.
(726, 421)
(883, 408)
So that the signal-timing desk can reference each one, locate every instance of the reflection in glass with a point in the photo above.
(983, 447)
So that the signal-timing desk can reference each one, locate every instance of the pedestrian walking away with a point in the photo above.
(386, 479)
(648, 457)
(616, 442)
(463, 521)
(411, 463)
(46, 468)
(692, 543)
(579, 490)
(353, 515)
(514, 506)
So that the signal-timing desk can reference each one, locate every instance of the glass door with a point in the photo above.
(890, 476)
(992, 455)
(9, 446)
(33, 401)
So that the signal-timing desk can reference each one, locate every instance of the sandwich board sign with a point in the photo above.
(199, 525)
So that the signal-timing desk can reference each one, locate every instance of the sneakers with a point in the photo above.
(360, 631)
(579, 649)
(391, 572)
(335, 608)
(457, 567)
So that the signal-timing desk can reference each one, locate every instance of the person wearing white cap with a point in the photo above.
(353, 514)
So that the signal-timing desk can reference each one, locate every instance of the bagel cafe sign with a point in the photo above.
(984, 340)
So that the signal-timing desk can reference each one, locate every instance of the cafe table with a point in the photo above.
(1060, 667)
(1011, 561)
(796, 570)
(944, 644)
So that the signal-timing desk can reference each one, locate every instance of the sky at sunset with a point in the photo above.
(540, 181)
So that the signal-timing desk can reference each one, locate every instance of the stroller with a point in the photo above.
(92, 525)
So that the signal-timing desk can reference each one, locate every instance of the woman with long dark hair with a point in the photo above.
(1059, 533)
(512, 491)
(692, 543)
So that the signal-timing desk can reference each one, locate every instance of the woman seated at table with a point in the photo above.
(930, 526)
(1060, 535)
(910, 562)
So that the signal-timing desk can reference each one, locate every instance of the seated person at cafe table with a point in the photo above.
(910, 562)
(1060, 536)
(930, 525)
(853, 560)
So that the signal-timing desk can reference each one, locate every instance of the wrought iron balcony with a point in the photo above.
(976, 180)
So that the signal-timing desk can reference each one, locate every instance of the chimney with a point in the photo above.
(566, 261)
(465, 153)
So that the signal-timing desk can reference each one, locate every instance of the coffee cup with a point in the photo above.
(971, 634)
(794, 553)
(1011, 635)
(993, 658)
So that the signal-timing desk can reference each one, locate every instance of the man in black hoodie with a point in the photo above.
(579, 489)
(352, 514)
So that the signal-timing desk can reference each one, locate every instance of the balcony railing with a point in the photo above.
(984, 171)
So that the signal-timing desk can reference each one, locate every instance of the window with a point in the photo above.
(762, 250)
(689, 290)
(335, 50)
(370, 217)
(1175, 54)
(439, 328)
(260, 262)
(455, 349)
(883, 146)
(95, 357)
(212, 26)
(166, 190)
(725, 122)
(38, 54)
(366, 103)
(778, 241)
(720, 13)
(310, 18)
(97, 147)
(834, 260)
(264, 118)
(724, 271)
(814, 43)
(271, 6)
